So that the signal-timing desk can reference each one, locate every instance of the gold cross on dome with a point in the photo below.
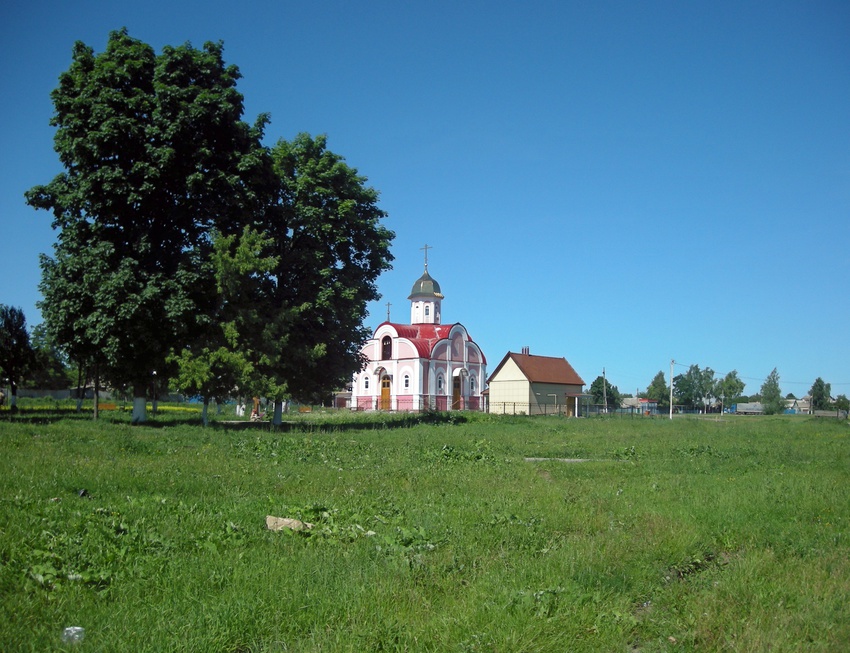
(426, 248)
(388, 311)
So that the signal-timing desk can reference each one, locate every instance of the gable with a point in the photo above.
(508, 371)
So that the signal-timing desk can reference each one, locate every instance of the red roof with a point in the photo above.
(426, 336)
(542, 369)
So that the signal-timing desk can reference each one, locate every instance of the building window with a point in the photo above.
(427, 310)
(406, 381)
(366, 382)
(386, 348)
(439, 384)
(472, 385)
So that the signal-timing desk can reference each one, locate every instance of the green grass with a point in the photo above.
(683, 535)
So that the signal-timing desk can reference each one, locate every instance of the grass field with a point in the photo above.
(682, 535)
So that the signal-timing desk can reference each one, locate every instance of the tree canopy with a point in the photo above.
(694, 388)
(730, 388)
(602, 390)
(659, 391)
(158, 164)
(821, 394)
(16, 351)
(771, 395)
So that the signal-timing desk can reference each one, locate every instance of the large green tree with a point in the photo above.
(155, 156)
(771, 395)
(16, 351)
(327, 237)
(820, 392)
(292, 289)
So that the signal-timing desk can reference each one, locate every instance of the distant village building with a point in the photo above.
(534, 385)
(422, 365)
(640, 405)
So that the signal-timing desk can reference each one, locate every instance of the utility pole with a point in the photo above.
(672, 362)
(604, 392)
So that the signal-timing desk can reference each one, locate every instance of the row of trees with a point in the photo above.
(189, 249)
(698, 388)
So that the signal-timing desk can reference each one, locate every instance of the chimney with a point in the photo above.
(526, 351)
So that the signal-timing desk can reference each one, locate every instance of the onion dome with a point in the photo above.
(426, 287)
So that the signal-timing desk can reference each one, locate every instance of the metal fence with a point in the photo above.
(585, 409)
(418, 403)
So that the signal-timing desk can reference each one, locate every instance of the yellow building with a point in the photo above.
(534, 385)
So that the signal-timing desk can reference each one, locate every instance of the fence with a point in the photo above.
(585, 409)
(418, 403)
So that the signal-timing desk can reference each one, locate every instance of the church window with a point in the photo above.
(406, 381)
(366, 382)
(439, 384)
(386, 348)
(427, 310)
(472, 385)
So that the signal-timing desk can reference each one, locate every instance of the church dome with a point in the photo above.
(425, 286)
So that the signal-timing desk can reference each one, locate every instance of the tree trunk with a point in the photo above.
(13, 399)
(139, 403)
(204, 417)
(96, 391)
(79, 388)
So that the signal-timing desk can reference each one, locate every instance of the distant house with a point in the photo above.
(534, 385)
(640, 405)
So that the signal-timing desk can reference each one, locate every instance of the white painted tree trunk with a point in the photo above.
(139, 410)
(204, 417)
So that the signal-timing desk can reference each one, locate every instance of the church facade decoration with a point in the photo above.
(424, 365)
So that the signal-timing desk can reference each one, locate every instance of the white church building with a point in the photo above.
(422, 365)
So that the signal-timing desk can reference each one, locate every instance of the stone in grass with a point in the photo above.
(284, 523)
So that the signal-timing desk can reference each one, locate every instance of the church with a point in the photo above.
(424, 365)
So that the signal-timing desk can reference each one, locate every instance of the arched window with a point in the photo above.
(386, 348)
(440, 384)
(472, 385)
(427, 310)
(366, 382)
(406, 381)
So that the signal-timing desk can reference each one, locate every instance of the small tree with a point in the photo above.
(16, 352)
(601, 389)
(771, 395)
(842, 403)
(49, 370)
(820, 393)
(730, 388)
(659, 391)
(695, 387)
(221, 358)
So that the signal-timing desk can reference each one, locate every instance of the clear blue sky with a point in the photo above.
(618, 183)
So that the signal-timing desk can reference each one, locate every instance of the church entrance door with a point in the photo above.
(386, 395)
(456, 393)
